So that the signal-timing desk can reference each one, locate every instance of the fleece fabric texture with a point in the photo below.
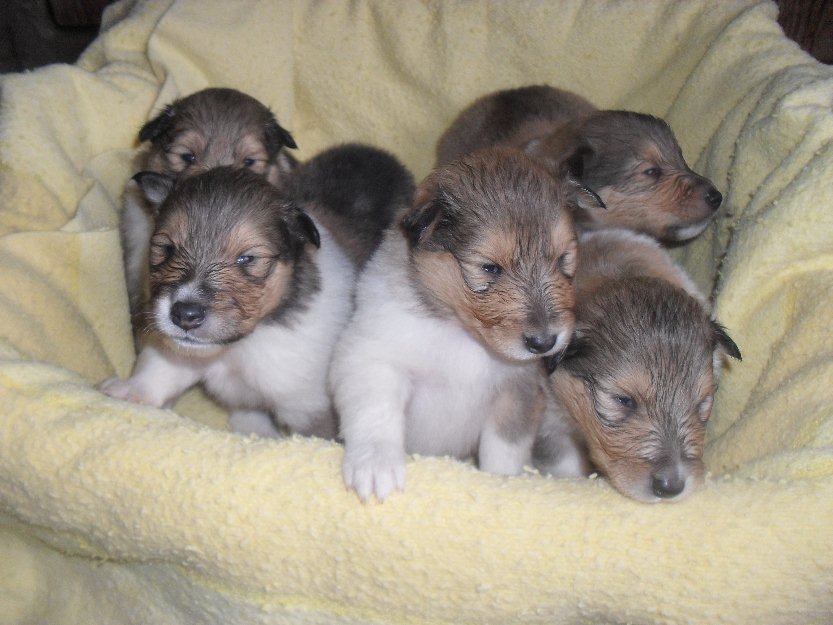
(113, 513)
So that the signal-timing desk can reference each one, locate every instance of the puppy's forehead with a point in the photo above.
(620, 132)
(226, 115)
(223, 200)
(650, 321)
(503, 186)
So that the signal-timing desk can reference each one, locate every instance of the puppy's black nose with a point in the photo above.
(667, 484)
(188, 315)
(714, 198)
(540, 344)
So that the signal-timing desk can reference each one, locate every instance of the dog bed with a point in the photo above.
(119, 513)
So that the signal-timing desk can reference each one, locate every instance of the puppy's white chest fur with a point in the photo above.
(451, 387)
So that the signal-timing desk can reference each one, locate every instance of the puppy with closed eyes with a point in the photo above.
(247, 296)
(632, 160)
(636, 385)
(466, 293)
(210, 128)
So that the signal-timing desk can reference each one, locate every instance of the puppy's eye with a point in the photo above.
(626, 401)
(244, 259)
(653, 172)
(188, 157)
(249, 162)
(491, 269)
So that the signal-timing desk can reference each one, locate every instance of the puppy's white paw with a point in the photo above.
(121, 389)
(374, 469)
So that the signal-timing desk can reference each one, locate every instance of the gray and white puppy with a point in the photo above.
(247, 297)
(210, 128)
(636, 385)
(632, 160)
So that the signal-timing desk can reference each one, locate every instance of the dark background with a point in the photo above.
(38, 32)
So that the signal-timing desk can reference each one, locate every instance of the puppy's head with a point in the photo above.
(227, 253)
(638, 380)
(217, 127)
(634, 163)
(492, 243)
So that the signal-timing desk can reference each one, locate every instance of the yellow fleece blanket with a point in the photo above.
(116, 513)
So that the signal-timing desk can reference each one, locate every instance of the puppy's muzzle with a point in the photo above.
(188, 315)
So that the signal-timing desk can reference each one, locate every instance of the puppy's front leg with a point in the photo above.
(509, 433)
(371, 404)
(158, 378)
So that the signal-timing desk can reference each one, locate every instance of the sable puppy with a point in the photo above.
(248, 295)
(632, 160)
(453, 312)
(210, 128)
(351, 189)
(638, 379)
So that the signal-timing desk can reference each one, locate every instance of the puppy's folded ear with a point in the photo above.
(302, 228)
(160, 124)
(583, 195)
(578, 346)
(155, 187)
(277, 137)
(428, 214)
(724, 341)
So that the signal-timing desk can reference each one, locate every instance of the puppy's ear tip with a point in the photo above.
(586, 197)
(309, 229)
(155, 186)
(724, 341)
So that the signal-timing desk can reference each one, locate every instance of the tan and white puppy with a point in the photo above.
(210, 128)
(636, 385)
(632, 160)
(453, 314)
(247, 296)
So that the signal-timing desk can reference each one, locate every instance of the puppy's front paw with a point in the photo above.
(121, 389)
(374, 469)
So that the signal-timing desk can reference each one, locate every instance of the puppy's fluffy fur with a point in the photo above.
(352, 189)
(632, 160)
(210, 128)
(454, 310)
(248, 295)
(638, 380)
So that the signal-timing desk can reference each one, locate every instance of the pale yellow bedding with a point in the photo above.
(117, 513)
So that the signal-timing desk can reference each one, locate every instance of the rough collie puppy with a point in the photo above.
(632, 160)
(637, 382)
(247, 296)
(466, 293)
(210, 128)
